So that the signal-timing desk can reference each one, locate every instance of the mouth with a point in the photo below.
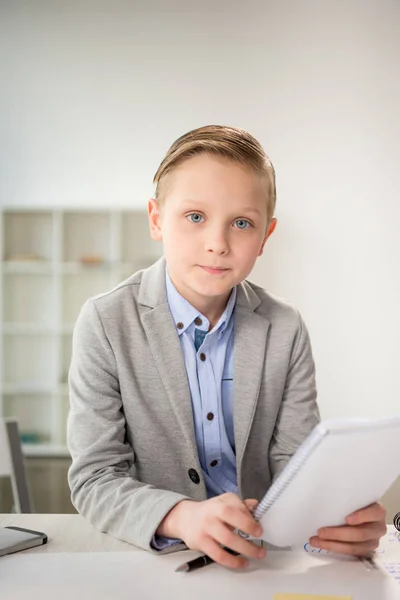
(214, 270)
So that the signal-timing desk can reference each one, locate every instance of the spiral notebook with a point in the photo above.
(341, 467)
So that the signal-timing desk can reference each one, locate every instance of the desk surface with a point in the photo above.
(66, 533)
(73, 533)
(60, 566)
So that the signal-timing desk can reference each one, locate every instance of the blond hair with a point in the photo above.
(232, 143)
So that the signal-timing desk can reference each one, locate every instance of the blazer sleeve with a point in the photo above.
(298, 413)
(102, 487)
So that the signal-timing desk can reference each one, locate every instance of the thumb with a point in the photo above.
(251, 504)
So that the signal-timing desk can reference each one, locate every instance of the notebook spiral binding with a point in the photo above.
(296, 462)
(396, 521)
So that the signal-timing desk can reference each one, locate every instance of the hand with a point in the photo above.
(360, 536)
(207, 525)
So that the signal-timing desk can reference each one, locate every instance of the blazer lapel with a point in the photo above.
(165, 346)
(249, 362)
(249, 356)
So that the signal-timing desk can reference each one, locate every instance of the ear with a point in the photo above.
(153, 212)
(270, 231)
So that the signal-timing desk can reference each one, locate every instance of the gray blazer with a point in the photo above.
(130, 428)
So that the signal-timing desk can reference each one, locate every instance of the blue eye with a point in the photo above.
(195, 218)
(242, 224)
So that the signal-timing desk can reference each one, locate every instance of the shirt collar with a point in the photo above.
(183, 313)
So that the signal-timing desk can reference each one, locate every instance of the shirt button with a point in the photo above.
(213, 463)
(180, 325)
(194, 476)
(202, 356)
(210, 416)
(198, 321)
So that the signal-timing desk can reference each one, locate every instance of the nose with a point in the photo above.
(217, 241)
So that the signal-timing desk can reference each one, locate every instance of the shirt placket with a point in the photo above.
(210, 412)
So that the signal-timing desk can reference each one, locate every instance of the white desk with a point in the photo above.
(81, 562)
(66, 533)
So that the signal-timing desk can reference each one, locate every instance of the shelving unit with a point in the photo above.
(51, 261)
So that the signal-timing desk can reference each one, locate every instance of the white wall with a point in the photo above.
(94, 92)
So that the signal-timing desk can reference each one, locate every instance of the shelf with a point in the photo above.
(47, 450)
(28, 233)
(33, 329)
(30, 359)
(26, 329)
(44, 282)
(67, 329)
(86, 234)
(33, 267)
(77, 288)
(136, 243)
(32, 413)
(64, 416)
(66, 352)
(28, 299)
(82, 267)
(31, 388)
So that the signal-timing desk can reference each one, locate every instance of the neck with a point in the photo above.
(211, 308)
(213, 313)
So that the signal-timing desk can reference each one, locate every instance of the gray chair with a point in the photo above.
(12, 464)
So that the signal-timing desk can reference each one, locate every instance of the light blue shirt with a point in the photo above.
(208, 359)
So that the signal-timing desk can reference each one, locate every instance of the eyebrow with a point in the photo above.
(247, 209)
(251, 209)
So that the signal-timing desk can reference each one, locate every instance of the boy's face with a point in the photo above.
(213, 225)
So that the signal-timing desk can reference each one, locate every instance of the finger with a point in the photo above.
(353, 549)
(231, 540)
(373, 512)
(355, 533)
(251, 504)
(236, 514)
(222, 557)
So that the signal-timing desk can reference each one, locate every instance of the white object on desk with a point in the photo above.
(101, 576)
(393, 568)
(387, 557)
(341, 467)
(105, 558)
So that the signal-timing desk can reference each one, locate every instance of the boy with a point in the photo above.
(191, 387)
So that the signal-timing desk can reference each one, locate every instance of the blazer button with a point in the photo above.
(194, 476)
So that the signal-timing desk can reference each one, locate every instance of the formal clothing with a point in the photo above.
(131, 429)
(208, 357)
